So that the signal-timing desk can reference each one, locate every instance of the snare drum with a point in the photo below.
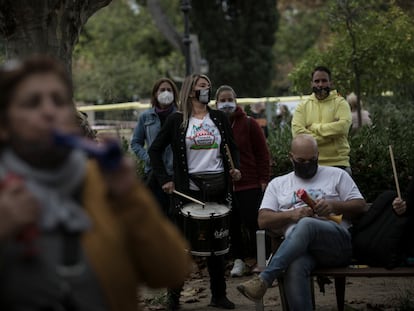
(206, 228)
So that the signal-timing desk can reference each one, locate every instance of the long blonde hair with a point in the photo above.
(185, 102)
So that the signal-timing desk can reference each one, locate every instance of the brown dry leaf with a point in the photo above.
(193, 294)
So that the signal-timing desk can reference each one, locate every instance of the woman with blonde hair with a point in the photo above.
(198, 137)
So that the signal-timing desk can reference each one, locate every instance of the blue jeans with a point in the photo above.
(311, 243)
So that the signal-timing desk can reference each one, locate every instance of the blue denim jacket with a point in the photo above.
(145, 132)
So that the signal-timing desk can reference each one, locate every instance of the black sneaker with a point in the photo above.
(222, 303)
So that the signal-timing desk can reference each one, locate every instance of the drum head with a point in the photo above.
(198, 211)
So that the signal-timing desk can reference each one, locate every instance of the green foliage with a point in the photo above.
(156, 301)
(279, 141)
(370, 159)
(373, 39)
(237, 42)
(298, 32)
(139, 164)
(120, 54)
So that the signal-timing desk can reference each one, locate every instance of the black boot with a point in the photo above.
(173, 299)
(221, 302)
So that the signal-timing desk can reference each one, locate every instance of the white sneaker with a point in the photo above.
(239, 268)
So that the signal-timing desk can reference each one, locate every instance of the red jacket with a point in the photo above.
(254, 153)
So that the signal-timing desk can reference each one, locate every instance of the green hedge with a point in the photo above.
(370, 161)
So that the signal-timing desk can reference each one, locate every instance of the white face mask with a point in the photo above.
(165, 98)
(228, 107)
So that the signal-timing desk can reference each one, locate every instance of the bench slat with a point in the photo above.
(364, 272)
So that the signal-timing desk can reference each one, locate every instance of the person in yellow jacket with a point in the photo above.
(326, 116)
(89, 234)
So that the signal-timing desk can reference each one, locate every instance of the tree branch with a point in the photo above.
(164, 25)
(92, 6)
(350, 16)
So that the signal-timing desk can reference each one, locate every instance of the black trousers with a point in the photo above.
(215, 264)
(216, 269)
(163, 199)
(243, 222)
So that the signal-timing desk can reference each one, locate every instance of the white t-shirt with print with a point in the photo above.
(330, 183)
(203, 146)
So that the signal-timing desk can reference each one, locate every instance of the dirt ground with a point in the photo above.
(380, 294)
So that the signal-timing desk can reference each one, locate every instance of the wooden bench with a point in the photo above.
(339, 275)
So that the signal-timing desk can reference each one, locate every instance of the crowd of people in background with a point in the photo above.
(79, 230)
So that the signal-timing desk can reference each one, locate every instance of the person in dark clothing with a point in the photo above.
(198, 137)
(164, 98)
(405, 207)
(258, 112)
(255, 168)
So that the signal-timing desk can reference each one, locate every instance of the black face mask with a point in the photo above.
(321, 92)
(203, 96)
(305, 170)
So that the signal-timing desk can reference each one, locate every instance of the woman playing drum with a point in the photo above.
(198, 136)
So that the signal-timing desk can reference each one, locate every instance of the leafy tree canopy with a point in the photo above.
(120, 54)
(237, 38)
(376, 36)
(298, 32)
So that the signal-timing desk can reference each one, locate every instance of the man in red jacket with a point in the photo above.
(255, 169)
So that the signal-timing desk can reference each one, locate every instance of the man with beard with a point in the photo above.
(312, 239)
(327, 117)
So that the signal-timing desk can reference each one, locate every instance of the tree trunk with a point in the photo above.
(45, 26)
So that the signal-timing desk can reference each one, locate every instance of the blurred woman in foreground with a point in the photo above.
(93, 233)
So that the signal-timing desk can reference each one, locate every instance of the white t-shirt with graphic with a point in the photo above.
(203, 146)
(330, 183)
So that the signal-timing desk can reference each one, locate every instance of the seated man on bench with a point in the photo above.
(312, 239)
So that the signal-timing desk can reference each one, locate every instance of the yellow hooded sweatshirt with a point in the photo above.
(328, 121)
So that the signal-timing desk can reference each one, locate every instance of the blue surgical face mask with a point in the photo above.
(227, 107)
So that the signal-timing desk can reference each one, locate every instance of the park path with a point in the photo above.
(363, 294)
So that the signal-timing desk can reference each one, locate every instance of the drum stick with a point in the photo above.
(189, 198)
(229, 156)
(394, 169)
